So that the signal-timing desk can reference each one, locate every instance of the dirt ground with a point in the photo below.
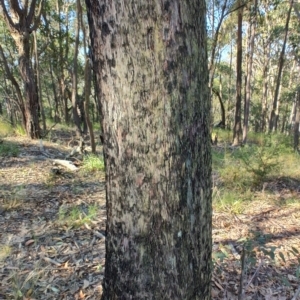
(43, 256)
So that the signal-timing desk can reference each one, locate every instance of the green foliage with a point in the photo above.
(92, 163)
(20, 130)
(229, 201)
(8, 149)
(5, 129)
(258, 161)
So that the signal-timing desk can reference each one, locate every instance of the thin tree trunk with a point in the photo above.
(297, 122)
(275, 108)
(250, 52)
(38, 81)
(87, 88)
(75, 104)
(237, 130)
(151, 64)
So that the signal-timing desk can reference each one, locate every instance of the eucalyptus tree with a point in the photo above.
(150, 61)
(252, 11)
(237, 130)
(22, 19)
(275, 106)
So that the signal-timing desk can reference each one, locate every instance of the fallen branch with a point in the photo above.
(66, 163)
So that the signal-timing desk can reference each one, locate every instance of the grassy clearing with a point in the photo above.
(247, 170)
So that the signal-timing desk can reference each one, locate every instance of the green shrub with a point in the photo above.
(259, 161)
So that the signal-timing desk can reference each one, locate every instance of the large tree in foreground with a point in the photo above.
(150, 62)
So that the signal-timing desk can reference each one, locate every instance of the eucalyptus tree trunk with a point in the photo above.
(275, 107)
(87, 87)
(20, 100)
(297, 122)
(237, 130)
(38, 82)
(252, 27)
(150, 61)
(265, 90)
(22, 21)
(74, 99)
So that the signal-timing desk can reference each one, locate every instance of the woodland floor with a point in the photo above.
(45, 256)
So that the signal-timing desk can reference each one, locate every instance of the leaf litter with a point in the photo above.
(44, 257)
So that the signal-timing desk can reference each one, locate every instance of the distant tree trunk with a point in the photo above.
(151, 63)
(297, 122)
(87, 87)
(56, 99)
(21, 22)
(75, 104)
(223, 118)
(211, 66)
(38, 83)
(19, 96)
(252, 22)
(237, 130)
(275, 107)
(229, 103)
(264, 102)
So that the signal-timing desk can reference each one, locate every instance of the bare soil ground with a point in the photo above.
(42, 256)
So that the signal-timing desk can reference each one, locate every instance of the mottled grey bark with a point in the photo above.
(150, 61)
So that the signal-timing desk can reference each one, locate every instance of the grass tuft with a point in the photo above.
(20, 130)
(8, 149)
(92, 163)
(77, 216)
(5, 129)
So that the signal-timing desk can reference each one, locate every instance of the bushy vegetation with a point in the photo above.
(243, 170)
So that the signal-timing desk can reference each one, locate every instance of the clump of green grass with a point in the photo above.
(231, 201)
(19, 130)
(8, 149)
(22, 284)
(76, 217)
(5, 129)
(5, 251)
(92, 163)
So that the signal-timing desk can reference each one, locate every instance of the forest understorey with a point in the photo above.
(52, 238)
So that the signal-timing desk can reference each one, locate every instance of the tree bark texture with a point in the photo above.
(150, 61)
